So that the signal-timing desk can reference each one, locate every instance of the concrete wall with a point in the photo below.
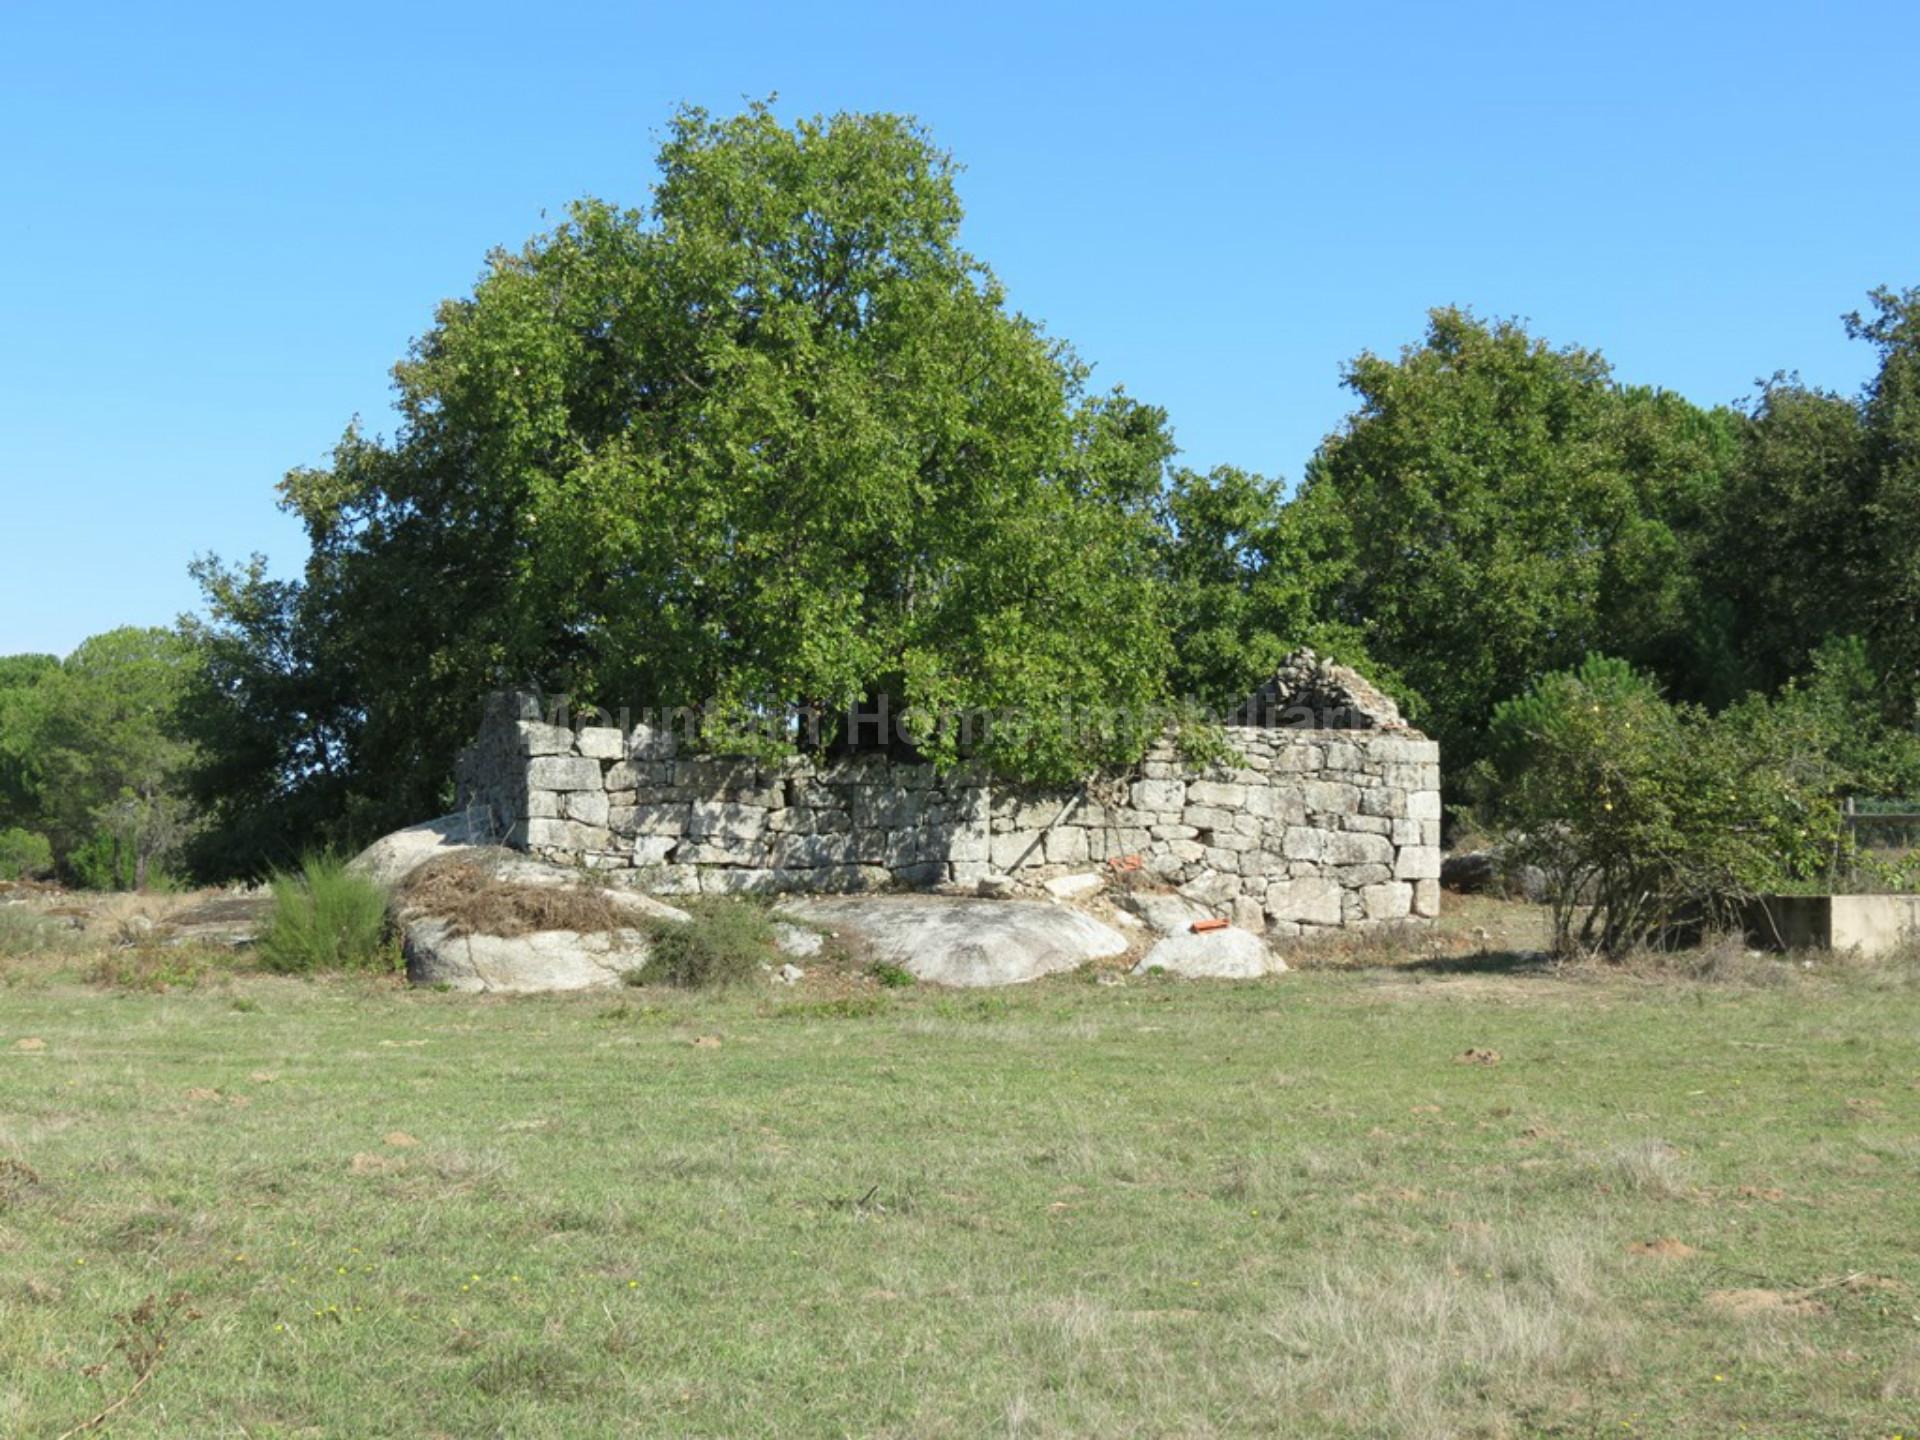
(1307, 829)
(1872, 924)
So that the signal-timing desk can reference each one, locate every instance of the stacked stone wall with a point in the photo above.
(1301, 829)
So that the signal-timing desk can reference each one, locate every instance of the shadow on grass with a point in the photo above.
(1484, 962)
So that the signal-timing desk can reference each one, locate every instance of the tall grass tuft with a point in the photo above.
(327, 917)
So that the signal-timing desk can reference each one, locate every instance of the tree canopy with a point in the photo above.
(1497, 508)
(777, 439)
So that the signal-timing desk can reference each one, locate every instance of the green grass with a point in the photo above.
(327, 917)
(1287, 1208)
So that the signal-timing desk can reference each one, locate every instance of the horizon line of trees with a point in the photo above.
(778, 440)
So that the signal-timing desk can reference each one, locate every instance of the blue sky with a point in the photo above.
(222, 224)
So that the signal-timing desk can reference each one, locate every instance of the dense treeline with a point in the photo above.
(778, 440)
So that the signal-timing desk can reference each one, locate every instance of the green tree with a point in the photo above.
(19, 787)
(1891, 411)
(1497, 507)
(1794, 553)
(1820, 529)
(1245, 582)
(775, 439)
(107, 766)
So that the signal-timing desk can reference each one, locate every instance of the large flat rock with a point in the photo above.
(1166, 914)
(951, 940)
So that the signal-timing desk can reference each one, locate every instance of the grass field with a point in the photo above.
(1640, 1206)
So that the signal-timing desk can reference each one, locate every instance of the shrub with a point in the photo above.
(327, 917)
(99, 863)
(892, 976)
(156, 968)
(1645, 817)
(24, 855)
(725, 943)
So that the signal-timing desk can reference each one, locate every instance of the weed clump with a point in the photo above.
(327, 917)
(726, 942)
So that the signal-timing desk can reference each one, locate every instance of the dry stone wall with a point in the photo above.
(1305, 828)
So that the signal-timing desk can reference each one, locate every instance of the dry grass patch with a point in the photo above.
(473, 899)
(1902, 1380)
(1744, 1304)
(1649, 1167)
(1445, 1346)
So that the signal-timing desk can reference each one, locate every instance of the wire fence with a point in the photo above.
(1879, 847)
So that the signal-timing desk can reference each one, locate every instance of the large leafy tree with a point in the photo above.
(1497, 507)
(1820, 534)
(1791, 556)
(775, 439)
(1246, 576)
(1891, 410)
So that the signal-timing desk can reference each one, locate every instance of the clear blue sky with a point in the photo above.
(222, 224)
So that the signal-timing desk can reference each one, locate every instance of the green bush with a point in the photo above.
(99, 863)
(725, 943)
(327, 917)
(1646, 818)
(24, 855)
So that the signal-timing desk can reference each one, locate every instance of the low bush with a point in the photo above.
(327, 917)
(157, 969)
(725, 943)
(24, 855)
(97, 863)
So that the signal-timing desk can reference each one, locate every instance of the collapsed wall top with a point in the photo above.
(1309, 692)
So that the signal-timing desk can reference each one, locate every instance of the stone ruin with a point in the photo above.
(1326, 815)
(1307, 692)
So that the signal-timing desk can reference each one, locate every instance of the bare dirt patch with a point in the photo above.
(1744, 1304)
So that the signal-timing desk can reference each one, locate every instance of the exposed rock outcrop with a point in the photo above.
(953, 940)
(1227, 954)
